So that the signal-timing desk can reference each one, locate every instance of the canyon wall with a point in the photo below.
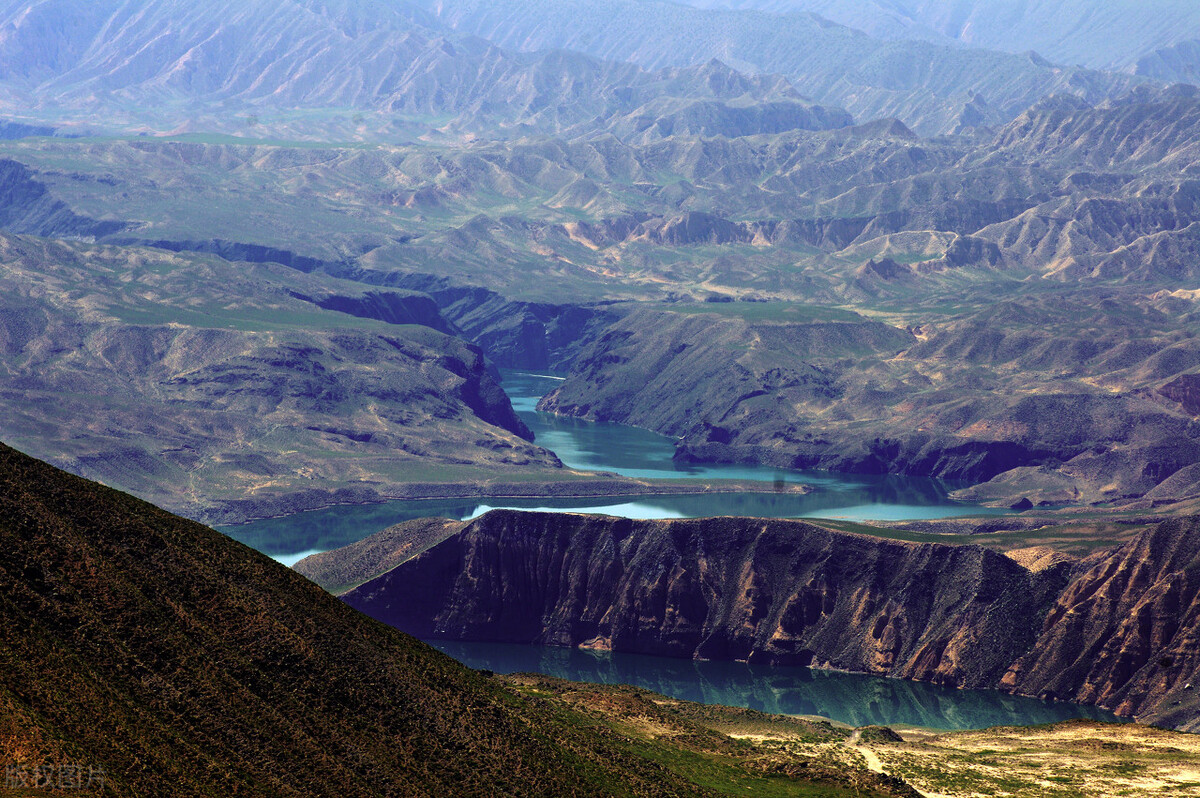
(1116, 630)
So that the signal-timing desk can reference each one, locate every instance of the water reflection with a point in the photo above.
(639, 453)
(848, 698)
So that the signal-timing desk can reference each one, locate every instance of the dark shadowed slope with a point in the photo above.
(186, 664)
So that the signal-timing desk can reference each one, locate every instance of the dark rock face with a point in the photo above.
(1118, 630)
(514, 334)
(234, 251)
(772, 591)
(1186, 391)
(393, 307)
(1124, 634)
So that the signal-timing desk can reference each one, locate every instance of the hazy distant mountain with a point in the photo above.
(1179, 63)
(1102, 34)
(932, 88)
(145, 60)
(883, 19)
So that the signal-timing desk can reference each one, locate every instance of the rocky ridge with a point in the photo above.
(1114, 629)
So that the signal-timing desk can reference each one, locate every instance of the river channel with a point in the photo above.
(631, 452)
(850, 698)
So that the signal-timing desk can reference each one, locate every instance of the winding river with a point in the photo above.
(848, 698)
(627, 451)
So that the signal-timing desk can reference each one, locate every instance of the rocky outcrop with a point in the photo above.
(766, 591)
(344, 568)
(1125, 634)
(1185, 390)
(1119, 629)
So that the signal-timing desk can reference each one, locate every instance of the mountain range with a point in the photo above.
(938, 270)
(379, 69)
(933, 88)
(1112, 35)
(232, 63)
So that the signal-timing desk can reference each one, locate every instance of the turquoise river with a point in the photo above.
(849, 698)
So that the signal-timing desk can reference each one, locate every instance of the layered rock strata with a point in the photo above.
(1118, 629)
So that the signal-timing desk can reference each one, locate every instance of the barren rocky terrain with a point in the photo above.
(1112, 629)
(262, 257)
(1011, 307)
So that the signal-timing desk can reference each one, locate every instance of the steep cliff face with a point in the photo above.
(514, 334)
(1125, 633)
(1121, 629)
(772, 591)
(26, 206)
(394, 307)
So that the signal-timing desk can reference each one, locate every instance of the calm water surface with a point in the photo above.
(628, 451)
(846, 697)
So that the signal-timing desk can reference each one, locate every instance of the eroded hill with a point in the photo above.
(197, 382)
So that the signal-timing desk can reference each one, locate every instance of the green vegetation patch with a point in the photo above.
(769, 311)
